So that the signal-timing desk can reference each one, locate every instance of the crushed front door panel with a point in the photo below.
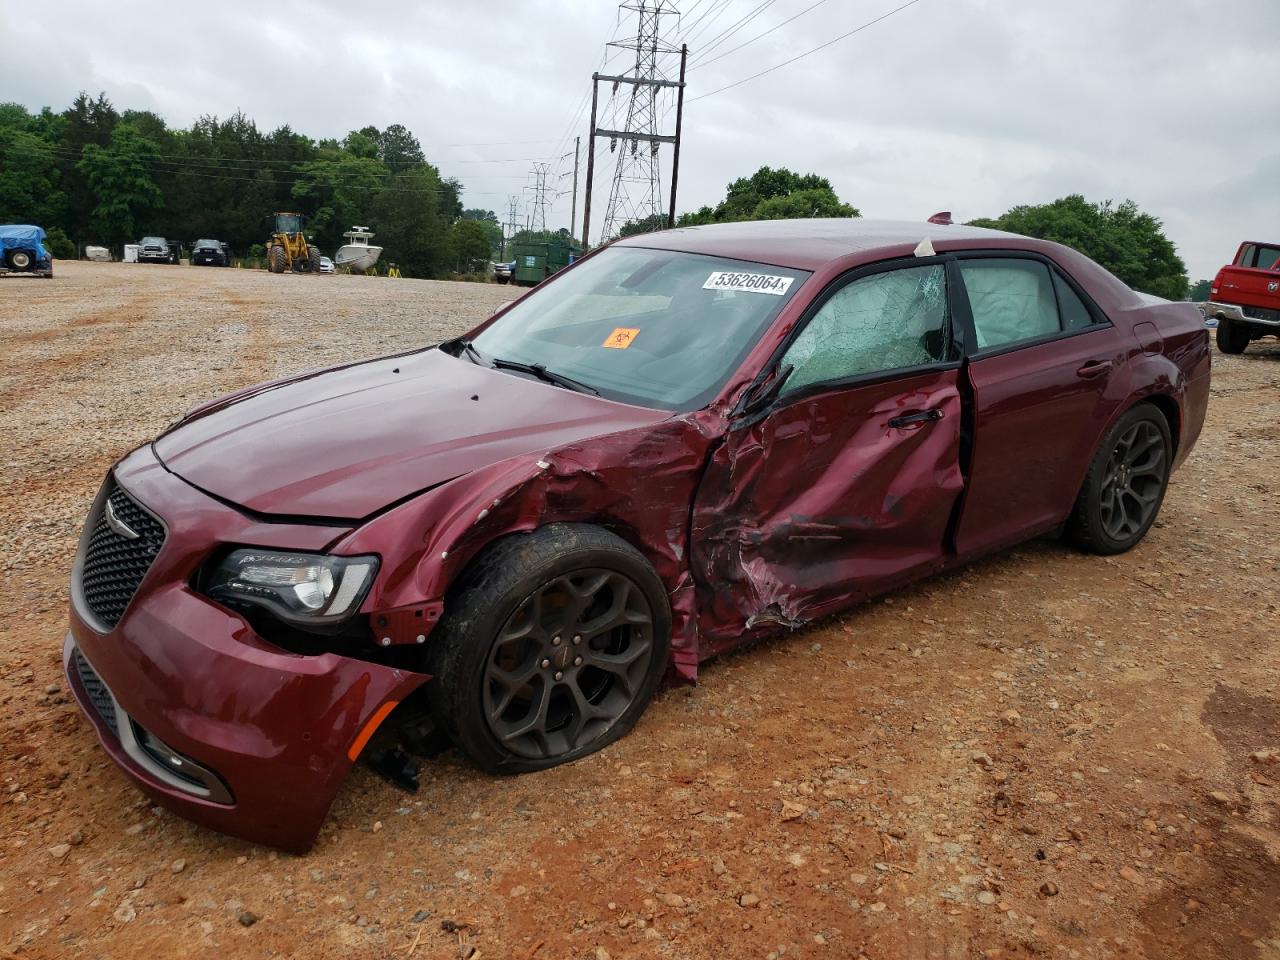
(821, 502)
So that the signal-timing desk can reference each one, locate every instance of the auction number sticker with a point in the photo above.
(748, 283)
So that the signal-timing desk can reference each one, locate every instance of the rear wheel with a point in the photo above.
(20, 260)
(1232, 337)
(275, 259)
(1125, 485)
(551, 649)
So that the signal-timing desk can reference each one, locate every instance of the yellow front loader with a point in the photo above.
(288, 248)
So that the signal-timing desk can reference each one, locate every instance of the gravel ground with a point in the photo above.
(1046, 754)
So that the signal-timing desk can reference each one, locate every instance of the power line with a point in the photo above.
(710, 15)
(746, 43)
(779, 66)
(736, 26)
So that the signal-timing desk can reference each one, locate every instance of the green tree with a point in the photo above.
(1199, 291)
(59, 244)
(488, 221)
(398, 148)
(1129, 243)
(770, 194)
(411, 228)
(468, 242)
(86, 121)
(30, 182)
(339, 190)
(656, 221)
(121, 183)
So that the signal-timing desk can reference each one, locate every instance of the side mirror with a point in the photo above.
(764, 393)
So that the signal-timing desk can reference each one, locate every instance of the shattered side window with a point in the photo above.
(888, 321)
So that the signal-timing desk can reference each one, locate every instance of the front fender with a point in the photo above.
(638, 483)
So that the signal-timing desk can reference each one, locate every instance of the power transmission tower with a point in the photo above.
(636, 190)
(538, 215)
(513, 221)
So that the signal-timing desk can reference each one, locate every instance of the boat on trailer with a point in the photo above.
(357, 253)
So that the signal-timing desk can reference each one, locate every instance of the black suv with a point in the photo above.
(210, 253)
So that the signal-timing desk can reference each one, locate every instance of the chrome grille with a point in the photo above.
(114, 563)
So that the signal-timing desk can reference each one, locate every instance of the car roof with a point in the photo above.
(810, 244)
(851, 242)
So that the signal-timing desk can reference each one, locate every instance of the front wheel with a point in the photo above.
(275, 259)
(550, 650)
(1232, 337)
(1125, 485)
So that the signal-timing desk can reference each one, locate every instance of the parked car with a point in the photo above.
(1245, 297)
(156, 250)
(22, 250)
(326, 265)
(502, 271)
(210, 253)
(685, 441)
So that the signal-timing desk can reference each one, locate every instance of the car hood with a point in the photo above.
(347, 442)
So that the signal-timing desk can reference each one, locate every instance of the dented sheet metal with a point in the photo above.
(821, 502)
(638, 483)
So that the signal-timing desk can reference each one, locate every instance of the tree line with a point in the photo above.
(94, 174)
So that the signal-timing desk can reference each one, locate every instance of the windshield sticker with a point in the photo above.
(621, 338)
(748, 283)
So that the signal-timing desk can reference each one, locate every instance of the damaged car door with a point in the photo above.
(845, 484)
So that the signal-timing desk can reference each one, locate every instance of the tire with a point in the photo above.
(1125, 485)
(1232, 337)
(275, 259)
(517, 683)
(20, 260)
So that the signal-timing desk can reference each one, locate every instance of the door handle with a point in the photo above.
(920, 416)
(1094, 368)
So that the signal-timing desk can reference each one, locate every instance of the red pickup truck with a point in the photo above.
(1245, 297)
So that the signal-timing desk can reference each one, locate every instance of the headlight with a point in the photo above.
(304, 588)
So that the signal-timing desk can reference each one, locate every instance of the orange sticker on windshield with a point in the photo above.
(621, 338)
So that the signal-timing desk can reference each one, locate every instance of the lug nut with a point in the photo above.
(577, 661)
(559, 675)
(577, 640)
(555, 641)
(546, 663)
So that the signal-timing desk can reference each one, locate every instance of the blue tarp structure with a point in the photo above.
(23, 236)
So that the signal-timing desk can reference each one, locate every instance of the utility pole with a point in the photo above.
(573, 209)
(675, 152)
(591, 165)
(636, 191)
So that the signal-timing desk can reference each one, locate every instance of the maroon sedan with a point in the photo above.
(686, 441)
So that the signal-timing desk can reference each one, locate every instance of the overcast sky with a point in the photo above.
(967, 105)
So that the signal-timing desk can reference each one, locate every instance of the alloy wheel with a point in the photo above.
(1134, 481)
(568, 663)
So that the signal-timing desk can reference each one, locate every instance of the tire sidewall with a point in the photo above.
(1092, 499)
(1232, 338)
(474, 625)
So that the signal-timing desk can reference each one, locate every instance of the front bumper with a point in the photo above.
(277, 730)
(1236, 314)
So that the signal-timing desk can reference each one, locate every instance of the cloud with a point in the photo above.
(971, 105)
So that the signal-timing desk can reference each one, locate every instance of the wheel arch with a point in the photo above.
(1172, 413)
(641, 496)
